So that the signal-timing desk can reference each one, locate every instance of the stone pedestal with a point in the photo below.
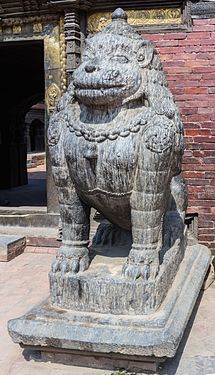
(143, 340)
(11, 246)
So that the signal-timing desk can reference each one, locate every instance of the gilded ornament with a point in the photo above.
(37, 27)
(62, 57)
(17, 29)
(98, 20)
(52, 96)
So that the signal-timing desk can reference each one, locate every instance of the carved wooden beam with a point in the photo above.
(202, 9)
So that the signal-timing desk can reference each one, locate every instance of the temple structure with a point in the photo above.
(40, 46)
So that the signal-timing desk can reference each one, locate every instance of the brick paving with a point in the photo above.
(24, 283)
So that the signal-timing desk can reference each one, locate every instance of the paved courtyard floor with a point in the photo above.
(24, 283)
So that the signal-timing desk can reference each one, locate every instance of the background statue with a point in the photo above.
(116, 142)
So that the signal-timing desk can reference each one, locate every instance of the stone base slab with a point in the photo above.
(11, 246)
(111, 361)
(155, 335)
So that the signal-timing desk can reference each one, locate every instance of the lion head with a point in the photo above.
(113, 62)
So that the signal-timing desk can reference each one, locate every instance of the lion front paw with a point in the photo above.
(142, 263)
(71, 263)
(134, 271)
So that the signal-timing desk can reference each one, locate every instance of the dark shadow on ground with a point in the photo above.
(32, 194)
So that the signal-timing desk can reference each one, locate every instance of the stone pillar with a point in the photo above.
(27, 138)
(73, 41)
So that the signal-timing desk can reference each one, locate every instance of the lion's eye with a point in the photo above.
(120, 58)
(88, 54)
(140, 56)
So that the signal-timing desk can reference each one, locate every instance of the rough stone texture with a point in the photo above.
(11, 246)
(156, 334)
(116, 142)
(103, 288)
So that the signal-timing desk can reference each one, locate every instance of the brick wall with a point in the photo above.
(189, 61)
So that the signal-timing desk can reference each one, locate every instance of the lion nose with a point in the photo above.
(90, 68)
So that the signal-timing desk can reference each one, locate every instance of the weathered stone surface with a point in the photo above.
(103, 288)
(11, 246)
(157, 334)
(116, 142)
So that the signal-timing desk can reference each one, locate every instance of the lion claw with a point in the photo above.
(71, 265)
(134, 271)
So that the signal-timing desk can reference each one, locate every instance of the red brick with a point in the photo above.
(203, 27)
(199, 167)
(177, 36)
(199, 35)
(210, 217)
(208, 125)
(171, 63)
(191, 174)
(191, 125)
(191, 49)
(188, 111)
(153, 36)
(209, 138)
(208, 146)
(198, 118)
(170, 49)
(195, 189)
(198, 153)
(202, 111)
(206, 83)
(204, 69)
(210, 175)
(200, 22)
(197, 181)
(192, 160)
(206, 237)
(198, 209)
(208, 196)
(200, 203)
(194, 132)
(204, 231)
(206, 223)
(208, 154)
(196, 63)
(211, 21)
(209, 160)
(207, 48)
(195, 90)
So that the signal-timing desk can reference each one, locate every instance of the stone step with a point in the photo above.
(39, 236)
(11, 246)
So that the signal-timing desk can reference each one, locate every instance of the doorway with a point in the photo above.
(23, 92)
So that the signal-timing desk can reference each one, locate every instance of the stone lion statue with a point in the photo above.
(116, 142)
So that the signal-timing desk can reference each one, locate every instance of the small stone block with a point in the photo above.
(11, 246)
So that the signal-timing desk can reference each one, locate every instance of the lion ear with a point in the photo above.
(145, 54)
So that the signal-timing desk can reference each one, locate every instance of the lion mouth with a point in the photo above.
(97, 91)
(102, 86)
